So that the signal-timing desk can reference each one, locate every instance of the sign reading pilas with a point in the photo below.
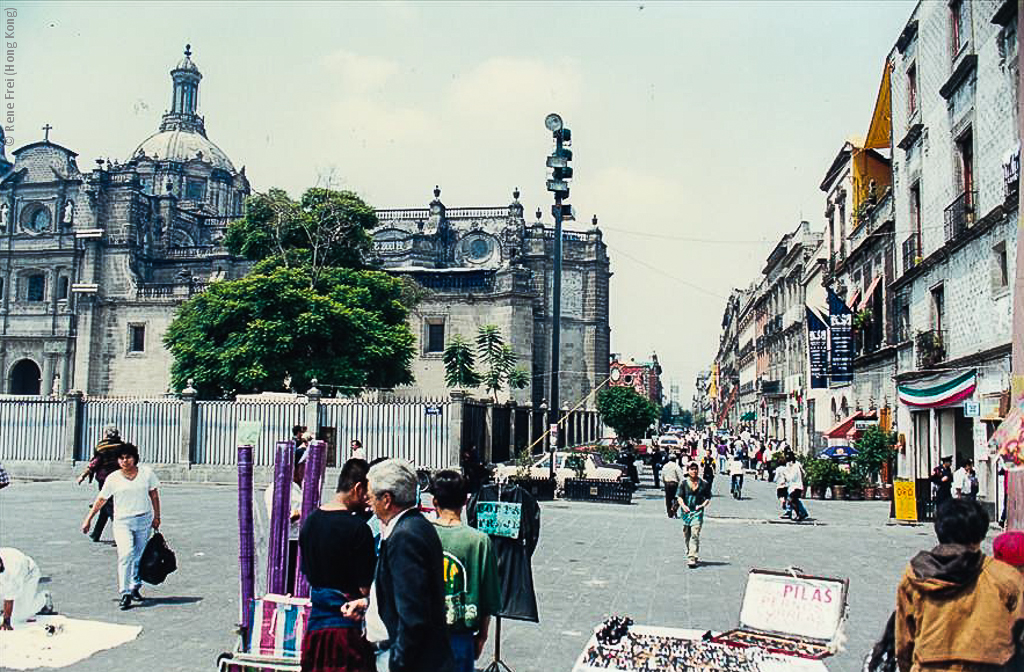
(840, 320)
(817, 349)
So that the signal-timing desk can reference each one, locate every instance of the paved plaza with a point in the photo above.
(593, 560)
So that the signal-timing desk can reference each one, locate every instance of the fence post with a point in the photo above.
(512, 428)
(311, 416)
(488, 450)
(455, 420)
(189, 415)
(72, 421)
(529, 424)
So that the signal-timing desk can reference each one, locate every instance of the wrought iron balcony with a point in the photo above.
(960, 215)
(931, 348)
(911, 252)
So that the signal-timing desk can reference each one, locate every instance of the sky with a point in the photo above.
(701, 130)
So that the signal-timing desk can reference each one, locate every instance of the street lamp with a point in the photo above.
(561, 173)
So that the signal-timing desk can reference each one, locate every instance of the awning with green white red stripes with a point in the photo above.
(937, 391)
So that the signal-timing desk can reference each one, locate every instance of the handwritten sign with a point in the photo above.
(904, 492)
(810, 607)
(248, 432)
(499, 519)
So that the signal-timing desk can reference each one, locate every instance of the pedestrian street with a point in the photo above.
(594, 560)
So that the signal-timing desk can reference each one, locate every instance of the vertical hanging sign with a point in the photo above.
(840, 320)
(817, 349)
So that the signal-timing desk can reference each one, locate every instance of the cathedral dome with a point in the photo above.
(183, 145)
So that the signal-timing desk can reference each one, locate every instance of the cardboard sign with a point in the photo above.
(499, 519)
(801, 606)
(248, 433)
(904, 492)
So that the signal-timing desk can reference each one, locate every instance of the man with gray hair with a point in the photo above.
(405, 619)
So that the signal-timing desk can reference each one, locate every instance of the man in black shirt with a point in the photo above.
(942, 478)
(338, 558)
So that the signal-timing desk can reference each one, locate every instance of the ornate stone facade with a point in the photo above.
(93, 265)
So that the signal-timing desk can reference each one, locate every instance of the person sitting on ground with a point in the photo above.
(19, 582)
(957, 609)
(472, 588)
(338, 560)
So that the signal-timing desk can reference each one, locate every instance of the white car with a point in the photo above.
(670, 444)
(594, 467)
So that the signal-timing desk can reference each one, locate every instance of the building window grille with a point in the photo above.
(35, 289)
(136, 338)
(435, 337)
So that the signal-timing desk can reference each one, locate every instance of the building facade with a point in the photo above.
(644, 377)
(956, 165)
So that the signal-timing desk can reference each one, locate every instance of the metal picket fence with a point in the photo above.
(217, 429)
(32, 429)
(411, 429)
(153, 425)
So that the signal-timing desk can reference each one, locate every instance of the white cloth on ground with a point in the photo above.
(74, 640)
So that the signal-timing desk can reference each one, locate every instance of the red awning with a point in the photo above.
(868, 295)
(846, 429)
(852, 303)
(843, 428)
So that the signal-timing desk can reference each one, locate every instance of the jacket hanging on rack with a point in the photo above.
(511, 517)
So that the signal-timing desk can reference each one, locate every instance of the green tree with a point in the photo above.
(625, 411)
(460, 364)
(494, 353)
(347, 328)
(323, 229)
(874, 449)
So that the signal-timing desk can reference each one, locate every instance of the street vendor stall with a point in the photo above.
(788, 623)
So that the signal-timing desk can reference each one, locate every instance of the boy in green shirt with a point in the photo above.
(472, 589)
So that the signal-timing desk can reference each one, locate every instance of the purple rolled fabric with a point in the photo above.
(277, 557)
(246, 548)
(312, 486)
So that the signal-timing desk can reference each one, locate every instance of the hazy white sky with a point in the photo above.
(694, 124)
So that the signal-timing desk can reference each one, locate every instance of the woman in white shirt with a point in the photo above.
(136, 509)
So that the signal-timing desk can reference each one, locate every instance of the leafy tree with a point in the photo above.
(494, 353)
(874, 449)
(626, 411)
(460, 364)
(323, 229)
(347, 328)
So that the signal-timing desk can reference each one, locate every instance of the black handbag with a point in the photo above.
(157, 560)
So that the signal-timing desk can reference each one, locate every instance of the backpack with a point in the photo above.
(157, 560)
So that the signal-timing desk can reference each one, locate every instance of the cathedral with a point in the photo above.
(93, 265)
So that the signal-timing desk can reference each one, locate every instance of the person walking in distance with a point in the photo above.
(708, 470)
(102, 464)
(693, 495)
(942, 480)
(965, 481)
(782, 490)
(357, 450)
(656, 460)
(795, 482)
(671, 475)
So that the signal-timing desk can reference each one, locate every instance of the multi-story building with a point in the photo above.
(956, 166)
(726, 410)
(747, 359)
(644, 377)
(819, 408)
(780, 306)
(94, 265)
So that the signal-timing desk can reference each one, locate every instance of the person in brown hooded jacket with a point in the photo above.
(958, 610)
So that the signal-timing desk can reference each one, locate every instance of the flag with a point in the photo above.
(840, 319)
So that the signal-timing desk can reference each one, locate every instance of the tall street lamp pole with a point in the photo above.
(561, 173)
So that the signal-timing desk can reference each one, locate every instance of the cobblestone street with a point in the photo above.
(593, 560)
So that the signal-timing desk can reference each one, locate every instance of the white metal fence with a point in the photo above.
(217, 428)
(412, 429)
(32, 428)
(153, 425)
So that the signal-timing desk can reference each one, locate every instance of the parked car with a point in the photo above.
(593, 467)
(669, 443)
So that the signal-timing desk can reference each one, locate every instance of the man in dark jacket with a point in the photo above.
(102, 464)
(942, 479)
(409, 581)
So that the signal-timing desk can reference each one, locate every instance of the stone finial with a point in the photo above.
(190, 387)
(188, 51)
(437, 191)
(515, 195)
(313, 391)
(593, 225)
(539, 214)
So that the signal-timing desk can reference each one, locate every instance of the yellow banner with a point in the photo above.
(904, 492)
(880, 131)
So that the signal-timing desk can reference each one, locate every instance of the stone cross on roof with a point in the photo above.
(46, 130)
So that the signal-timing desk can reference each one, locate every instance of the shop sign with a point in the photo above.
(862, 425)
(972, 409)
(904, 493)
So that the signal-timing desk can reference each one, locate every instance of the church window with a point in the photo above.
(435, 336)
(195, 190)
(136, 338)
(36, 218)
(35, 287)
(62, 288)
